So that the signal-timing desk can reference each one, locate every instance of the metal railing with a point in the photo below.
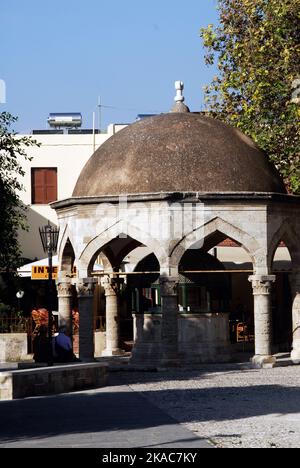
(15, 324)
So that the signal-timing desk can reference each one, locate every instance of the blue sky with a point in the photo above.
(58, 56)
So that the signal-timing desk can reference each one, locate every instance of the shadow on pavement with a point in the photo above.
(120, 411)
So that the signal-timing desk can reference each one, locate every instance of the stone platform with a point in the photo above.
(52, 380)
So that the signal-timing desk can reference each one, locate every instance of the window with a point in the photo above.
(43, 185)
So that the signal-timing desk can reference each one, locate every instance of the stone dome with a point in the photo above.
(178, 152)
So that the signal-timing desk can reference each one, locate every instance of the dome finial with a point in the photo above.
(179, 86)
(179, 98)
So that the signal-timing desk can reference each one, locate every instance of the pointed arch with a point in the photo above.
(66, 258)
(65, 236)
(66, 251)
(287, 234)
(217, 225)
(135, 237)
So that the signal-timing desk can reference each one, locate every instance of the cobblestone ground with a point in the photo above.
(231, 408)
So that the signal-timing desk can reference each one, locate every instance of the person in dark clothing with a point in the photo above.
(41, 350)
(62, 347)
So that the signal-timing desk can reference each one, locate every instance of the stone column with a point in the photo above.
(111, 288)
(85, 293)
(295, 287)
(262, 286)
(65, 297)
(169, 332)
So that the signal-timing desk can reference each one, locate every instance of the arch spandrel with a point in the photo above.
(66, 251)
(104, 239)
(287, 234)
(217, 225)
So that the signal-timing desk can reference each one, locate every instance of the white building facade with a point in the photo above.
(51, 174)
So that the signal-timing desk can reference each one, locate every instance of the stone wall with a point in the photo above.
(147, 338)
(13, 347)
(100, 343)
(202, 338)
(51, 380)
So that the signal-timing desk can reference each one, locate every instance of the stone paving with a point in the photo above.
(112, 417)
(223, 406)
(229, 406)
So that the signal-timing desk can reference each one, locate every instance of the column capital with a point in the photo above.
(64, 289)
(85, 287)
(262, 284)
(111, 285)
(169, 285)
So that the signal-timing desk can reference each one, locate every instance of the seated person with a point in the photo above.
(62, 347)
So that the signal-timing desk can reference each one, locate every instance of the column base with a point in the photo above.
(295, 356)
(263, 362)
(170, 358)
(113, 352)
(146, 354)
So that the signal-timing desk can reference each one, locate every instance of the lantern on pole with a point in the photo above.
(49, 237)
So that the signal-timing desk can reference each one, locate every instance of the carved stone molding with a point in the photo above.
(111, 285)
(85, 289)
(169, 285)
(262, 285)
(64, 290)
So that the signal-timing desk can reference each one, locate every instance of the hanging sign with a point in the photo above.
(42, 272)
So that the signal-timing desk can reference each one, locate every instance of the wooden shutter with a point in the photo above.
(44, 185)
(51, 185)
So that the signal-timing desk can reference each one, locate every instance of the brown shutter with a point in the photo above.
(38, 185)
(51, 185)
(44, 185)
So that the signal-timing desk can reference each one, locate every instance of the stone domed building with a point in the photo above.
(174, 186)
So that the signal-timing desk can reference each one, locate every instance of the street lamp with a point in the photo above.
(49, 237)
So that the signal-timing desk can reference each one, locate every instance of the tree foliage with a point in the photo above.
(12, 212)
(257, 47)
